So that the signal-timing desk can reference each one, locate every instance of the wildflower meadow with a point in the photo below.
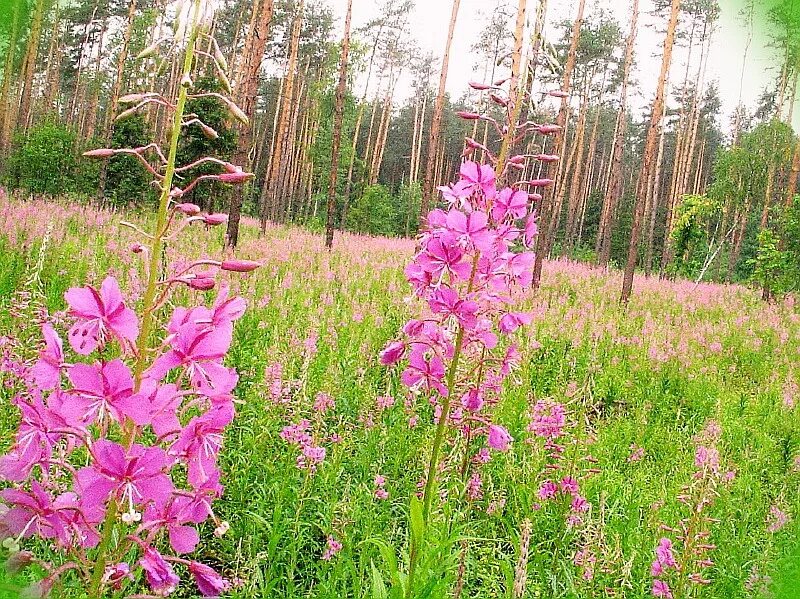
(441, 416)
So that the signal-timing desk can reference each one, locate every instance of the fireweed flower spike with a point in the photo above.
(471, 258)
(113, 464)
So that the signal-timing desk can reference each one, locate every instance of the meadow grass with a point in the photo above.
(648, 376)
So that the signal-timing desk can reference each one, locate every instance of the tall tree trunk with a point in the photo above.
(269, 197)
(6, 109)
(649, 151)
(53, 62)
(29, 66)
(338, 115)
(547, 216)
(436, 124)
(655, 198)
(247, 96)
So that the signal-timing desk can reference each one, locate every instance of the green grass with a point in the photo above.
(604, 362)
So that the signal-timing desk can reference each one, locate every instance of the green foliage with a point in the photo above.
(127, 181)
(46, 160)
(691, 228)
(776, 266)
(374, 213)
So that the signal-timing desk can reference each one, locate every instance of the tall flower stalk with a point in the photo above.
(106, 427)
(471, 258)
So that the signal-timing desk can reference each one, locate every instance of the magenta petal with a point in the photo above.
(183, 539)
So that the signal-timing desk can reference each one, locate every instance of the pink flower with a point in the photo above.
(392, 353)
(442, 255)
(499, 439)
(427, 373)
(548, 419)
(200, 442)
(99, 315)
(333, 547)
(445, 300)
(208, 581)
(47, 370)
(479, 175)
(98, 391)
(511, 321)
(472, 400)
(547, 490)
(135, 477)
(569, 486)
(510, 203)
(159, 574)
(471, 229)
(661, 589)
(664, 553)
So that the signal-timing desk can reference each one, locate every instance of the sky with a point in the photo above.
(430, 20)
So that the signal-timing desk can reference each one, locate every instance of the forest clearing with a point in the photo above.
(286, 312)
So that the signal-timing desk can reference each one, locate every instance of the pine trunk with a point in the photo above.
(436, 124)
(338, 115)
(649, 154)
(29, 67)
(247, 96)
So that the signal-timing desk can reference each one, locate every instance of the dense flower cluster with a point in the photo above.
(471, 258)
(81, 447)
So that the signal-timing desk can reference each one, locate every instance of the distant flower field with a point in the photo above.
(654, 449)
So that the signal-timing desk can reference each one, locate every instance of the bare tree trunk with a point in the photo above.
(436, 124)
(547, 216)
(649, 151)
(338, 115)
(53, 62)
(247, 96)
(5, 97)
(29, 66)
(614, 187)
(269, 197)
(655, 198)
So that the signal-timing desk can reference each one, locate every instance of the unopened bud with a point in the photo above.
(186, 80)
(225, 82)
(557, 93)
(209, 132)
(473, 144)
(535, 197)
(547, 129)
(479, 86)
(215, 219)
(134, 98)
(220, 530)
(201, 284)
(99, 153)
(500, 82)
(175, 192)
(188, 209)
(238, 113)
(137, 248)
(469, 116)
(499, 100)
(540, 182)
(547, 157)
(126, 113)
(220, 58)
(518, 159)
(236, 177)
(149, 51)
(240, 265)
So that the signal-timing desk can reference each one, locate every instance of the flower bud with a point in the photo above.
(215, 219)
(468, 116)
(236, 177)
(540, 182)
(240, 265)
(479, 86)
(500, 82)
(99, 153)
(220, 58)
(137, 248)
(186, 80)
(175, 192)
(557, 93)
(547, 129)
(134, 98)
(518, 159)
(499, 100)
(547, 157)
(188, 208)
(238, 113)
(201, 284)
(149, 51)
(209, 132)
(126, 113)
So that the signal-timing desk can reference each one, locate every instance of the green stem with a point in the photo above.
(156, 253)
